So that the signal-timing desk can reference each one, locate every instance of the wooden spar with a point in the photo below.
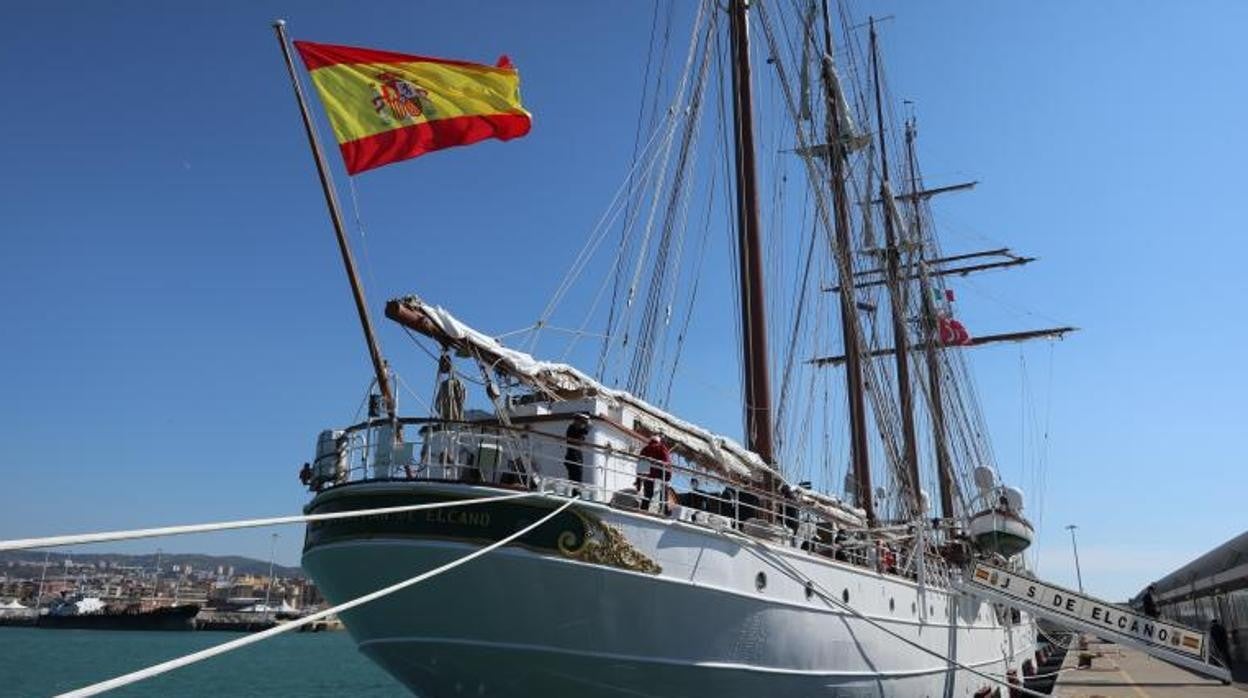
(929, 193)
(999, 252)
(398, 311)
(849, 319)
(931, 352)
(960, 271)
(335, 214)
(758, 427)
(897, 300)
(1057, 332)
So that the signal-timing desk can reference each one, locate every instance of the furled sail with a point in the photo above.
(561, 381)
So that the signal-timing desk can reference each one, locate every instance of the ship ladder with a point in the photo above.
(1170, 642)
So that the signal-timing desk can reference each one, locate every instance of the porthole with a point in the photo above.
(810, 590)
(760, 581)
(913, 608)
(845, 595)
(931, 610)
(892, 605)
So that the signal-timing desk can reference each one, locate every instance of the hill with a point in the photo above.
(241, 565)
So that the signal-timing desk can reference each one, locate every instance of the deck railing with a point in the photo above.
(492, 454)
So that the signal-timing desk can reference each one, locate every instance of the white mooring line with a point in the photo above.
(194, 657)
(79, 538)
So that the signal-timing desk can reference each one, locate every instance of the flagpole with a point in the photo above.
(335, 213)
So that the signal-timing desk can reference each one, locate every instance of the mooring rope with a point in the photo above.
(78, 538)
(194, 657)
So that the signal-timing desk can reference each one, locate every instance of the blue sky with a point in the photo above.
(177, 327)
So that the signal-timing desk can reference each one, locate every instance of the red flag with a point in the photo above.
(952, 332)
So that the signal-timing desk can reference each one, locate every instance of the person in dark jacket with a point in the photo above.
(574, 457)
(653, 466)
(1217, 635)
(305, 475)
(1148, 603)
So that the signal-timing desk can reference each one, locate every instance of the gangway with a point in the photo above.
(1170, 642)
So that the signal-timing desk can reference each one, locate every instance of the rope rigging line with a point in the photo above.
(614, 274)
(359, 224)
(195, 657)
(403, 384)
(798, 322)
(693, 292)
(416, 340)
(674, 224)
(598, 233)
(660, 185)
(132, 534)
(640, 170)
(818, 589)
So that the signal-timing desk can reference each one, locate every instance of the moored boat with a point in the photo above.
(89, 613)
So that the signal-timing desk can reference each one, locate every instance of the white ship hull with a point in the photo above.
(521, 621)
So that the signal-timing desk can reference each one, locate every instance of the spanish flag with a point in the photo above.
(385, 107)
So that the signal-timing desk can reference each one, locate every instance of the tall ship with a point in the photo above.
(815, 555)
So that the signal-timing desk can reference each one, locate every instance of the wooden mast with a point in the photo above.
(335, 214)
(931, 349)
(897, 298)
(859, 458)
(758, 427)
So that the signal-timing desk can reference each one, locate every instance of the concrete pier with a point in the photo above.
(1121, 672)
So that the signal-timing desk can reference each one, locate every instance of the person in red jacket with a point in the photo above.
(652, 467)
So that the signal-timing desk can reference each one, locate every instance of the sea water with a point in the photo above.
(35, 662)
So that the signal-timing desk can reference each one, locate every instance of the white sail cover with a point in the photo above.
(709, 449)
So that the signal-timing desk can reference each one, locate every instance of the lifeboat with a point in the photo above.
(1000, 528)
(1001, 531)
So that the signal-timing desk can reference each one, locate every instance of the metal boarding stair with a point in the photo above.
(1170, 642)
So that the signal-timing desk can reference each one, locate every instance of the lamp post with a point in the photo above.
(1073, 544)
(269, 589)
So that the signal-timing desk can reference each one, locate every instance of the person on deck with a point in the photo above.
(305, 475)
(696, 498)
(839, 542)
(574, 457)
(888, 559)
(789, 512)
(1148, 603)
(1217, 635)
(652, 466)
(449, 400)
